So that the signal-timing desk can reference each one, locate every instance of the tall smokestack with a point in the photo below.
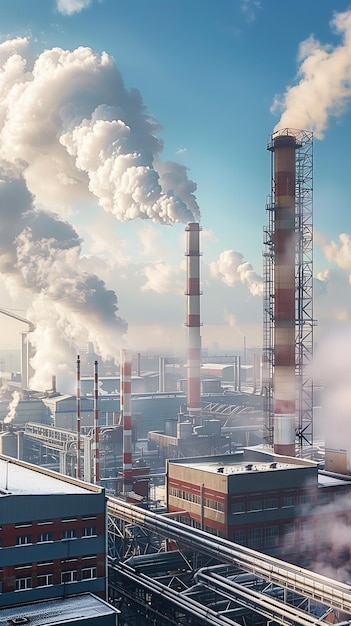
(193, 322)
(161, 374)
(284, 147)
(78, 418)
(96, 455)
(126, 412)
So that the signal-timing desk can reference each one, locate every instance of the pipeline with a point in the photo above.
(309, 584)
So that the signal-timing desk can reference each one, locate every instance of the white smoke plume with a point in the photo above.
(40, 253)
(11, 409)
(69, 123)
(72, 134)
(231, 269)
(324, 82)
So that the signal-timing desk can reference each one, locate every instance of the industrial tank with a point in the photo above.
(184, 430)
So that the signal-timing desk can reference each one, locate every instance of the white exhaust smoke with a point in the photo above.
(70, 134)
(324, 86)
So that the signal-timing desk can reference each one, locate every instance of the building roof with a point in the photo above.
(240, 467)
(20, 478)
(55, 612)
(246, 461)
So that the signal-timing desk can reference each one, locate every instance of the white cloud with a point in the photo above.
(231, 268)
(250, 8)
(163, 278)
(152, 243)
(339, 253)
(69, 7)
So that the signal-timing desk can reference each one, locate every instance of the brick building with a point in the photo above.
(52, 535)
(279, 505)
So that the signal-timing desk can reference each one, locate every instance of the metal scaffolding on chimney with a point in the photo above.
(304, 321)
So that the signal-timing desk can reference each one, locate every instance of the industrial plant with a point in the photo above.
(193, 490)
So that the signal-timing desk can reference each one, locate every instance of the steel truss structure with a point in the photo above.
(304, 322)
(197, 579)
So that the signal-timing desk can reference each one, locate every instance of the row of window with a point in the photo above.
(268, 537)
(45, 580)
(192, 497)
(69, 533)
(241, 506)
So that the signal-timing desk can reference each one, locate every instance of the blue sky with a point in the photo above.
(209, 72)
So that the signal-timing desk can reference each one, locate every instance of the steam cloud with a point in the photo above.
(41, 254)
(70, 132)
(324, 86)
(231, 268)
(11, 409)
(67, 118)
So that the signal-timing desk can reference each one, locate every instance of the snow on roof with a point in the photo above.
(229, 467)
(55, 612)
(17, 477)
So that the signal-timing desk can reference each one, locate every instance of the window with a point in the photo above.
(323, 498)
(289, 534)
(238, 507)
(271, 503)
(90, 531)
(86, 517)
(255, 538)
(69, 576)
(254, 505)
(271, 536)
(69, 519)
(23, 583)
(306, 531)
(213, 504)
(44, 522)
(289, 501)
(305, 498)
(43, 537)
(23, 539)
(44, 580)
(240, 537)
(88, 573)
(70, 533)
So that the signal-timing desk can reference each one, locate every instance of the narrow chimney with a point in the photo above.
(126, 412)
(193, 323)
(78, 418)
(284, 240)
(96, 455)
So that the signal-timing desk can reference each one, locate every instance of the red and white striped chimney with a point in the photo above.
(78, 418)
(193, 322)
(96, 451)
(126, 412)
(284, 237)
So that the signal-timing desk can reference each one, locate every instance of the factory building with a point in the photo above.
(275, 504)
(31, 410)
(52, 535)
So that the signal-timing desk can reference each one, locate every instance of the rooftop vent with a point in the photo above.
(17, 621)
(273, 465)
(249, 466)
(220, 470)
